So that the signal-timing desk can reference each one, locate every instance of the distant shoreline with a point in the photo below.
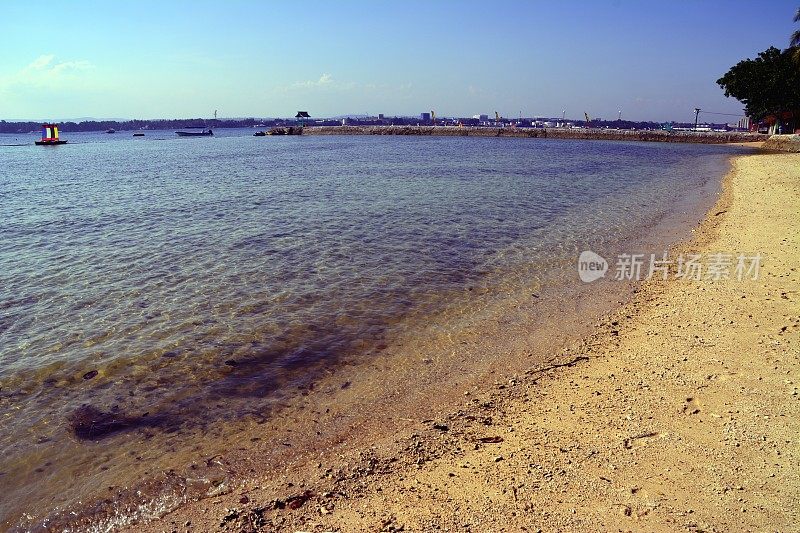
(610, 134)
(546, 133)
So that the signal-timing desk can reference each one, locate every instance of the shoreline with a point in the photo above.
(417, 362)
(575, 443)
(545, 133)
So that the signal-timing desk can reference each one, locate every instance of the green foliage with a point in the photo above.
(794, 40)
(766, 85)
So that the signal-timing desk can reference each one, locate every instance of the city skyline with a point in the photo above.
(651, 62)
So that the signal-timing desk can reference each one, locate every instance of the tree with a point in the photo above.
(767, 85)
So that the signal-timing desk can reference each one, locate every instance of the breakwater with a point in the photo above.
(783, 143)
(544, 133)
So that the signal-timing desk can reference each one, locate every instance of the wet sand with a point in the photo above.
(679, 411)
(757, 145)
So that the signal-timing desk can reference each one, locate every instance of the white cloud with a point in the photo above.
(72, 66)
(326, 80)
(46, 71)
(40, 62)
(328, 86)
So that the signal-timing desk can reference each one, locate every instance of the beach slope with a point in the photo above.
(681, 412)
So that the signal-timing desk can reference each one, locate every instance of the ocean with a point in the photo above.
(159, 295)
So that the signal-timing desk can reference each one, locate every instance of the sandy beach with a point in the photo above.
(680, 411)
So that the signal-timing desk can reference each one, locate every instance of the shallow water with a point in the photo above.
(167, 287)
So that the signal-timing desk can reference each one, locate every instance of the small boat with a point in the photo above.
(195, 131)
(111, 130)
(50, 136)
(260, 134)
(138, 134)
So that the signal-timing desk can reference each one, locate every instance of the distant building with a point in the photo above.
(301, 116)
(380, 116)
(425, 117)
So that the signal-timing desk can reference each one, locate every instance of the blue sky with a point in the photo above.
(181, 58)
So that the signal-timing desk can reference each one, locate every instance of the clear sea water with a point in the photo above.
(160, 287)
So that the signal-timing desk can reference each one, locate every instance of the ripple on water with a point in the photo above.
(163, 287)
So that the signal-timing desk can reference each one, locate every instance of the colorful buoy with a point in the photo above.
(50, 135)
